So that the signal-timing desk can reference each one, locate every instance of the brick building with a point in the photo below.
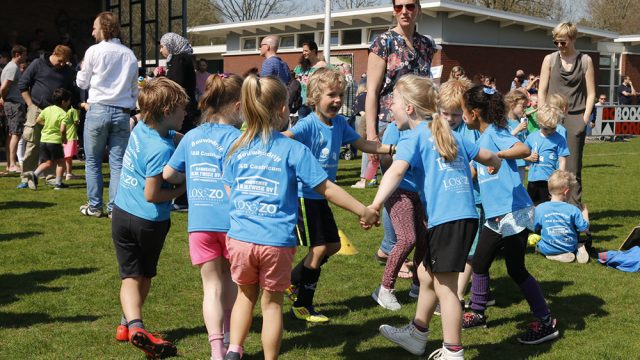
(481, 40)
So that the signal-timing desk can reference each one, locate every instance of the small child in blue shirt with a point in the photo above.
(199, 161)
(262, 174)
(140, 221)
(323, 131)
(560, 222)
(549, 152)
(516, 100)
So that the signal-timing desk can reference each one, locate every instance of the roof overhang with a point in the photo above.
(368, 15)
(632, 40)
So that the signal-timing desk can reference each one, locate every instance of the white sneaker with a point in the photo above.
(408, 337)
(583, 255)
(444, 354)
(565, 258)
(386, 298)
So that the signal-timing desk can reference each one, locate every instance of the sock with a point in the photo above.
(37, 173)
(217, 347)
(58, 180)
(452, 347)
(307, 289)
(137, 323)
(237, 349)
(227, 321)
(296, 273)
(479, 292)
(420, 328)
(533, 294)
(123, 320)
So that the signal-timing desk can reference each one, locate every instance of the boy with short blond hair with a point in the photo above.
(141, 211)
(560, 222)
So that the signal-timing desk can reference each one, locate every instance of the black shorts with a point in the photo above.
(316, 225)
(16, 116)
(49, 151)
(448, 245)
(538, 191)
(138, 243)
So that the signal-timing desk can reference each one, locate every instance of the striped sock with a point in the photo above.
(137, 323)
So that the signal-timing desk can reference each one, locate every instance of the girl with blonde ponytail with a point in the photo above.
(261, 175)
(439, 163)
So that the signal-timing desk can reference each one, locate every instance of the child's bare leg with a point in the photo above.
(271, 304)
(242, 314)
(133, 293)
(446, 286)
(426, 299)
(59, 170)
(43, 166)
(68, 164)
(212, 282)
(463, 279)
(229, 293)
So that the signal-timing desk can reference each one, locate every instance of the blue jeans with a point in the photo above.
(389, 240)
(104, 126)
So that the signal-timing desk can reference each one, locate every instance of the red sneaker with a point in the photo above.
(154, 346)
(122, 333)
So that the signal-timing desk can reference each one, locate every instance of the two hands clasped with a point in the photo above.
(370, 217)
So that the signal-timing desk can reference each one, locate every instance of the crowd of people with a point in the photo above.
(454, 159)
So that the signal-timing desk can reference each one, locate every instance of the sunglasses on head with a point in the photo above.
(409, 7)
(563, 43)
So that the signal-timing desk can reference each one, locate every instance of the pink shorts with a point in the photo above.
(270, 266)
(205, 246)
(70, 148)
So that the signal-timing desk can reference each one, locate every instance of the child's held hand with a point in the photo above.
(535, 157)
(370, 217)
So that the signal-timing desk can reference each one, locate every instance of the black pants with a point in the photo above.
(490, 243)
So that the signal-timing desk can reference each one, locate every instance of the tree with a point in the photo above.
(549, 9)
(241, 10)
(352, 4)
(621, 16)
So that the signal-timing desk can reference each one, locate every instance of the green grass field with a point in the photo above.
(59, 284)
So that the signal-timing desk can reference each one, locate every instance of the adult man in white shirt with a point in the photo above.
(110, 72)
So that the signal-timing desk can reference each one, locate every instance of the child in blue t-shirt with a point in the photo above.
(199, 160)
(439, 162)
(516, 101)
(509, 213)
(560, 222)
(262, 174)
(548, 153)
(323, 131)
(141, 220)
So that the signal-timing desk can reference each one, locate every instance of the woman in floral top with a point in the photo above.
(309, 63)
(393, 54)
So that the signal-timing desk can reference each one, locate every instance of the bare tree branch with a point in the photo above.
(242, 10)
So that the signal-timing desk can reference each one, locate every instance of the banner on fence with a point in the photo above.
(612, 120)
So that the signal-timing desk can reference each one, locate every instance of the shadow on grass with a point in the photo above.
(615, 214)
(7, 205)
(594, 166)
(19, 235)
(14, 285)
(181, 333)
(507, 293)
(18, 320)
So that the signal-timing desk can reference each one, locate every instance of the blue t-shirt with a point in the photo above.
(562, 131)
(473, 136)
(446, 184)
(324, 141)
(501, 193)
(274, 66)
(200, 156)
(146, 155)
(391, 137)
(521, 136)
(549, 149)
(263, 179)
(560, 223)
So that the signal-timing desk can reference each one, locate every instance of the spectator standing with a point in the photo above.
(36, 86)
(273, 65)
(349, 94)
(309, 63)
(569, 72)
(626, 91)
(201, 77)
(14, 107)
(519, 81)
(110, 72)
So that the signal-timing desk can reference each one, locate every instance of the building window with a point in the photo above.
(249, 44)
(305, 38)
(374, 33)
(287, 42)
(351, 37)
(335, 39)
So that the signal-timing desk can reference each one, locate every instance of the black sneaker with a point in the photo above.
(539, 333)
(60, 186)
(473, 320)
(232, 355)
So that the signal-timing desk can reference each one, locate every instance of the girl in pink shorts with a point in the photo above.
(262, 174)
(71, 146)
(199, 160)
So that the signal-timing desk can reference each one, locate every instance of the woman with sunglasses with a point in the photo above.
(571, 73)
(400, 50)
(309, 63)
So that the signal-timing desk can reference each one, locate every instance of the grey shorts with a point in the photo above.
(16, 117)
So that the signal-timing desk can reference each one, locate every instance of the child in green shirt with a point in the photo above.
(71, 146)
